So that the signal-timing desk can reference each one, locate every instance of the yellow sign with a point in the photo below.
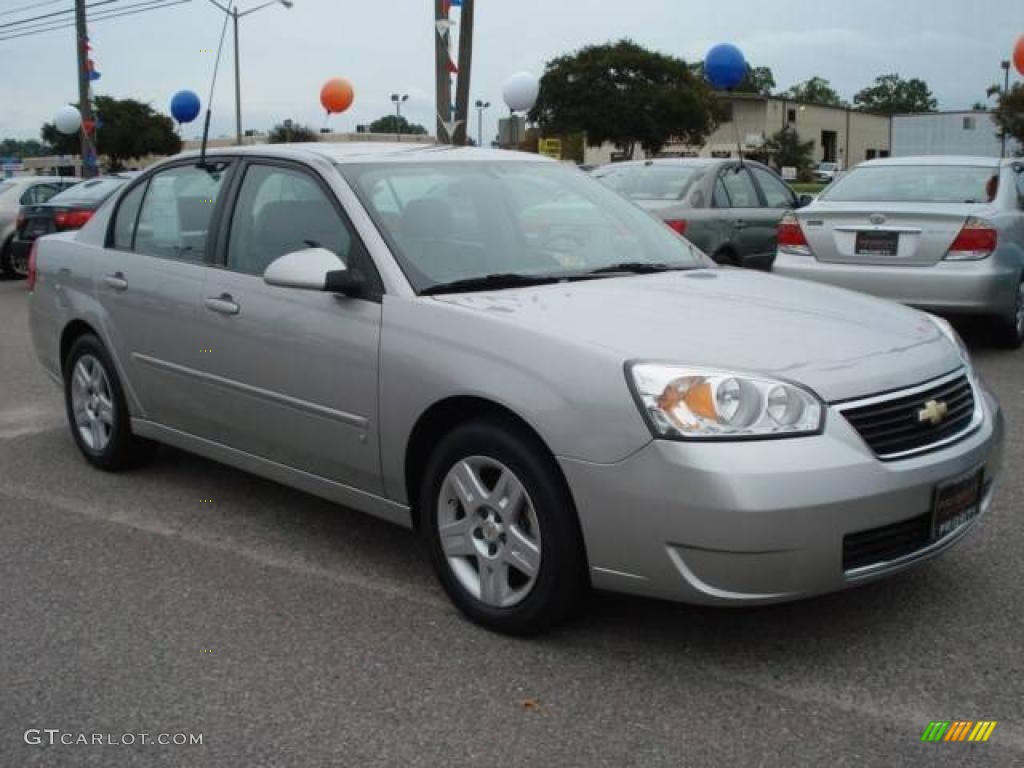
(550, 148)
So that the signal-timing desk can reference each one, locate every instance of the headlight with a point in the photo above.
(696, 403)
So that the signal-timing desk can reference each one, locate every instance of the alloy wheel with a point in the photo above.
(92, 403)
(489, 531)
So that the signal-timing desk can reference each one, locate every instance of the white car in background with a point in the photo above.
(827, 172)
(944, 234)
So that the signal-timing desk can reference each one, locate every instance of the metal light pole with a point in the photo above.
(1005, 64)
(480, 107)
(399, 99)
(232, 10)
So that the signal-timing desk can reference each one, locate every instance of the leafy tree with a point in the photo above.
(759, 80)
(817, 90)
(22, 149)
(784, 148)
(395, 124)
(627, 95)
(290, 133)
(1009, 114)
(127, 129)
(979, 107)
(892, 95)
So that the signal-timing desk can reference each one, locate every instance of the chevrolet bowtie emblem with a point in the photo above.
(934, 411)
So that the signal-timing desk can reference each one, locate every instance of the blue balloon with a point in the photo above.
(185, 106)
(725, 67)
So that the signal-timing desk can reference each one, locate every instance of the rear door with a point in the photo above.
(291, 375)
(150, 280)
(753, 228)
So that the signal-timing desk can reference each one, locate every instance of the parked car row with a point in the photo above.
(15, 193)
(552, 387)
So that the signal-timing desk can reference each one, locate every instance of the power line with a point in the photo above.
(150, 5)
(54, 13)
(30, 7)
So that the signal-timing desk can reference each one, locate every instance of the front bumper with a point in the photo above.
(986, 287)
(760, 521)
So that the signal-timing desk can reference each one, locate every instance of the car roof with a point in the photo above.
(353, 152)
(952, 160)
(685, 162)
(37, 179)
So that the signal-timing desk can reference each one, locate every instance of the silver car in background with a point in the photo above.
(945, 234)
(551, 386)
(16, 192)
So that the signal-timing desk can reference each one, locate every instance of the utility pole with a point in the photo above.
(84, 103)
(1006, 89)
(442, 77)
(465, 72)
(238, 83)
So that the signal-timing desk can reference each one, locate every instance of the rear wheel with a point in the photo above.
(501, 529)
(1008, 332)
(6, 268)
(726, 257)
(18, 262)
(96, 409)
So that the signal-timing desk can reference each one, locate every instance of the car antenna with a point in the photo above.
(213, 84)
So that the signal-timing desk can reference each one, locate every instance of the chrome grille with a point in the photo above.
(896, 425)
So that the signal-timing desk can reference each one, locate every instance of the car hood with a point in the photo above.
(841, 344)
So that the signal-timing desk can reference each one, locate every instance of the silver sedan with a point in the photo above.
(554, 388)
(945, 234)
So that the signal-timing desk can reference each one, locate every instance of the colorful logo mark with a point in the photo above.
(958, 730)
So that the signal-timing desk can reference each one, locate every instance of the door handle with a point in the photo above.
(223, 304)
(116, 281)
(740, 224)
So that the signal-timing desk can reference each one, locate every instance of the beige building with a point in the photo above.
(71, 165)
(840, 135)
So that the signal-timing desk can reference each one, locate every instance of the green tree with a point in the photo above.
(892, 95)
(784, 148)
(23, 149)
(290, 133)
(395, 124)
(127, 129)
(627, 95)
(759, 80)
(817, 90)
(1009, 113)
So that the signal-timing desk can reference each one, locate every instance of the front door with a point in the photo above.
(151, 283)
(290, 375)
(753, 226)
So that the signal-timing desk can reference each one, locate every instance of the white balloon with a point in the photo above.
(521, 91)
(68, 119)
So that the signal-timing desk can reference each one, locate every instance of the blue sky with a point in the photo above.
(384, 46)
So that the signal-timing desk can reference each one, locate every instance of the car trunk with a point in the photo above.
(896, 234)
(38, 220)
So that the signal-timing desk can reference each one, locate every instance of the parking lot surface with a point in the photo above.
(187, 597)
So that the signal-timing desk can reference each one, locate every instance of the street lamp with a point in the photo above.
(399, 99)
(480, 107)
(232, 11)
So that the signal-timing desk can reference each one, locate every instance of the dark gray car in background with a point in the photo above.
(727, 208)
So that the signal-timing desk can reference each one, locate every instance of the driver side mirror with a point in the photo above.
(312, 269)
(804, 200)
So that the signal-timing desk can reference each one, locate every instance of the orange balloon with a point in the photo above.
(337, 95)
(1018, 55)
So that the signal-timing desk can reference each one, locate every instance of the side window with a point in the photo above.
(740, 186)
(175, 218)
(127, 215)
(776, 194)
(279, 211)
(39, 193)
(1020, 188)
(721, 198)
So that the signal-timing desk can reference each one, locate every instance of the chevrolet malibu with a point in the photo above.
(553, 401)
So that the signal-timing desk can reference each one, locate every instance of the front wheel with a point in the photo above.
(1008, 332)
(501, 529)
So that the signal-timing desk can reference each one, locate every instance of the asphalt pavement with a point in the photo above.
(189, 598)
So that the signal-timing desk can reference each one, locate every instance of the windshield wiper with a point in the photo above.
(494, 281)
(637, 268)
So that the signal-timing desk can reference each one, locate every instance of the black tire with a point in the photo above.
(123, 449)
(561, 580)
(1008, 332)
(6, 269)
(726, 258)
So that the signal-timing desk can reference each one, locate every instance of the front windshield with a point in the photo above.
(452, 221)
(91, 191)
(915, 184)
